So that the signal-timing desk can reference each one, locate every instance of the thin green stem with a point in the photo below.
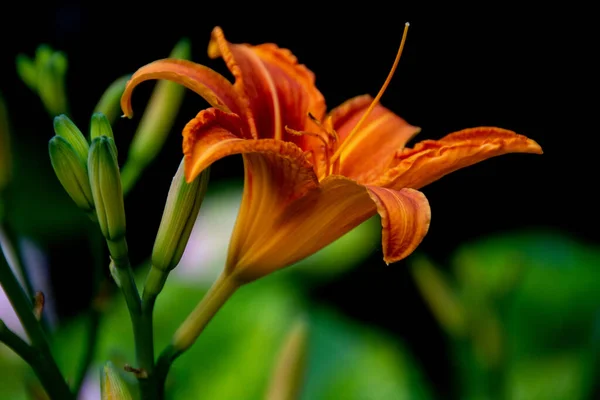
(222, 289)
(31, 356)
(134, 305)
(141, 321)
(148, 387)
(51, 377)
(155, 281)
(13, 243)
(163, 366)
(16, 344)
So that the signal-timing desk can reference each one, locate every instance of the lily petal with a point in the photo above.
(373, 147)
(212, 86)
(276, 228)
(405, 217)
(209, 137)
(429, 160)
(215, 134)
(279, 91)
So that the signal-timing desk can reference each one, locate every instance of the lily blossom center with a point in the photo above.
(332, 146)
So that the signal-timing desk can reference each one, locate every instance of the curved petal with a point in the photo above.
(372, 148)
(275, 229)
(212, 86)
(279, 91)
(405, 217)
(215, 134)
(430, 160)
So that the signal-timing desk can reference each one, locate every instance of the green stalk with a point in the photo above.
(222, 289)
(141, 321)
(12, 241)
(46, 368)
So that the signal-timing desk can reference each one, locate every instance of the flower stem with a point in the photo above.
(143, 340)
(223, 288)
(45, 366)
(155, 281)
(12, 242)
(141, 321)
(39, 364)
(16, 344)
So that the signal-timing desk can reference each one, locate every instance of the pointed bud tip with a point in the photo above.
(100, 126)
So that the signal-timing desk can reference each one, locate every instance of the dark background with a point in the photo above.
(522, 68)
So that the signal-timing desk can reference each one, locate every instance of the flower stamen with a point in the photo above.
(324, 139)
(332, 167)
(338, 152)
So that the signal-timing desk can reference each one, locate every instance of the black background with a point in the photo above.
(523, 68)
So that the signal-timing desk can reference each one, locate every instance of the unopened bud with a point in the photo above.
(100, 126)
(105, 181)
(51, 81)
(71, 172)
(27, 71)
(65, 128)
(45, 75)
(179, 215)
(289, 369)
(441, 296)
(113, 386)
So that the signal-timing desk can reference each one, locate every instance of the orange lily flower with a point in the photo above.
(312, 176)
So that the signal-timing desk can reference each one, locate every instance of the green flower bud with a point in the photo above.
(27, 71)
(65, 128)
(179, 215)
(51, 81)
(42, 55)
(109, 104)
(100, 126)
(71, 172)
(45, 75)
(289, 369)
(441, 296)
(157, 121)
(113, 386)
(5, 155)
(105, 181)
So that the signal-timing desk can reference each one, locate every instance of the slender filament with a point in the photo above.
(377, 98)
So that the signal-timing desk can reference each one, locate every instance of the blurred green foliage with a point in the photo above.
(235, 355)
(528, 314)
(530, 305)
